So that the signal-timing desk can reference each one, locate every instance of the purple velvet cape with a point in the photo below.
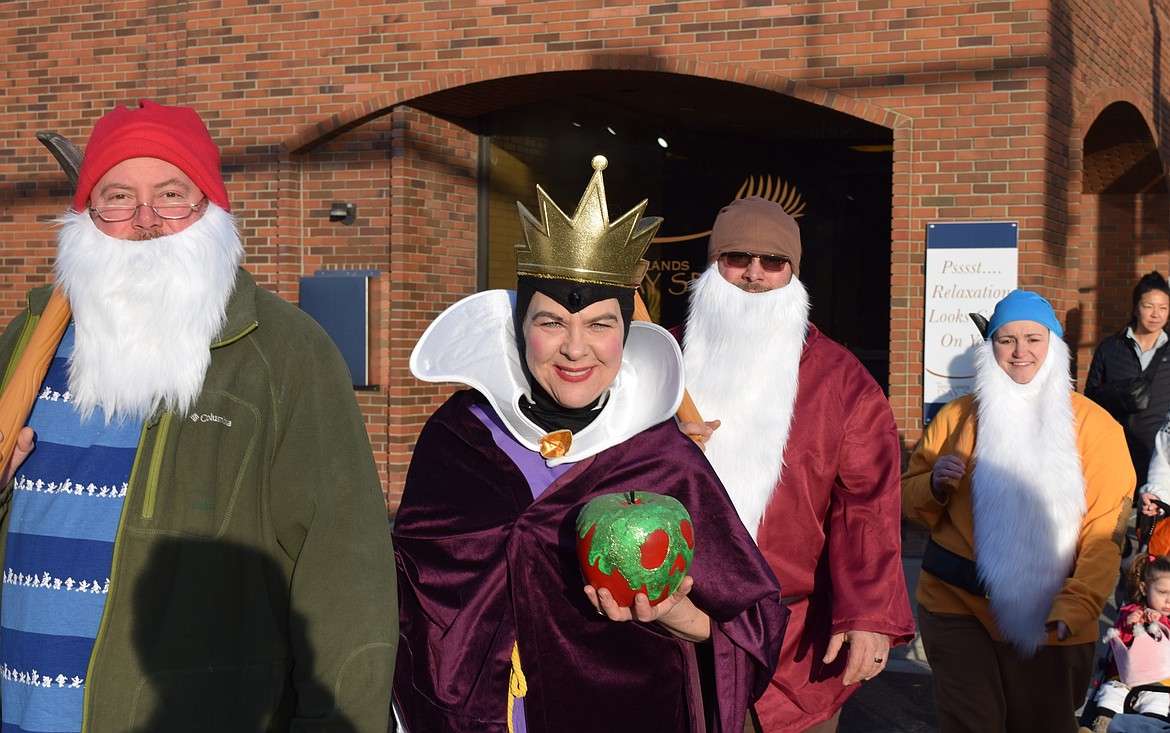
(481, 565)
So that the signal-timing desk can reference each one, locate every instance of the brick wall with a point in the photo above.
(1129, 239)
(433, 261)
(988, 103)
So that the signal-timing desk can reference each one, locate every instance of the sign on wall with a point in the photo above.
(339, 300)
(969, 268)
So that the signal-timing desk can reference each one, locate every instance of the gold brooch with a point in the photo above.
(556, 444)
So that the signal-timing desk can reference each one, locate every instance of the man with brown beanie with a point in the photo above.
(197, 539)
(805, 442)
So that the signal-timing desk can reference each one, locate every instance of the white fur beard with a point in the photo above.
(145, 312)
(742, 354)
(1028, 491)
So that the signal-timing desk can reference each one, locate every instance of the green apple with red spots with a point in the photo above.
(635, 542)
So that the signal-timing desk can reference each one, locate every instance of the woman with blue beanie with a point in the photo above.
(1025, 486)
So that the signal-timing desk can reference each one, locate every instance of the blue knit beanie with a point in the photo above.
(1022, 305)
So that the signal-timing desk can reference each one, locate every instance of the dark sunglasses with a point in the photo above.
(770, 263)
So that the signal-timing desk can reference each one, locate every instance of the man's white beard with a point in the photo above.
(145, 312)
(742, 354)
(1027, 490)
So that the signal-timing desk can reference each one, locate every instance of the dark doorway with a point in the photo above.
(690, 145)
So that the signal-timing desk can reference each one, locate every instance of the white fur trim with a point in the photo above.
(1028, 491)
(145, 312)
(742, 358)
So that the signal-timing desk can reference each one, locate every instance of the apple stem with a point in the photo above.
(632, 499)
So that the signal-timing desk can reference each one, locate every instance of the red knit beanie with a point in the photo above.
(174, 134)
(755, 225)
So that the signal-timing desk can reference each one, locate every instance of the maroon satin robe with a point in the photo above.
(832, 531)
(481, 565)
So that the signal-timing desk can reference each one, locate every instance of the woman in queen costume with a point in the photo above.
(569, 400)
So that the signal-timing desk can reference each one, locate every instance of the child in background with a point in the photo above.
(1148, 614)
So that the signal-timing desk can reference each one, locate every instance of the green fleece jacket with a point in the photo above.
(252, 586)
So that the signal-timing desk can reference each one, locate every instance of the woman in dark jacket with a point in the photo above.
(1129, 353)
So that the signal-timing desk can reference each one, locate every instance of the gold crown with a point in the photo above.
(586, 248)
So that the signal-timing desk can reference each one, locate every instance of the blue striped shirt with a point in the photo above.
(66, 503)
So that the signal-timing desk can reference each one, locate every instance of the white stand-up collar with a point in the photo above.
(473, 342)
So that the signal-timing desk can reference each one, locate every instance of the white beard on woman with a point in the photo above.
(1028, 491)
(741, 355)
(145, 312)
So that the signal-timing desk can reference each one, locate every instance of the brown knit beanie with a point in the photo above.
(755, 225)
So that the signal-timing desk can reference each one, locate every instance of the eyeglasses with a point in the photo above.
(170, 210)
(769, 263)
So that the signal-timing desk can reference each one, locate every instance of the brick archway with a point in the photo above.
(378, 105)
(414, 114)
(1123, 223)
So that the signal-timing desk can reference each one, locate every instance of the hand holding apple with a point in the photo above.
(635, 542)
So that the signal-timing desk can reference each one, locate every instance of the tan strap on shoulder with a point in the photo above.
(18, 397)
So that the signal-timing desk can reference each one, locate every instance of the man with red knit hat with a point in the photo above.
(197, 539)
(804, 440)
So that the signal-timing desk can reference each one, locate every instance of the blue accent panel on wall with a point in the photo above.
(339, 301)
(977, 234)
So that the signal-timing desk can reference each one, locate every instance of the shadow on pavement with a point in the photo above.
(893, 702)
